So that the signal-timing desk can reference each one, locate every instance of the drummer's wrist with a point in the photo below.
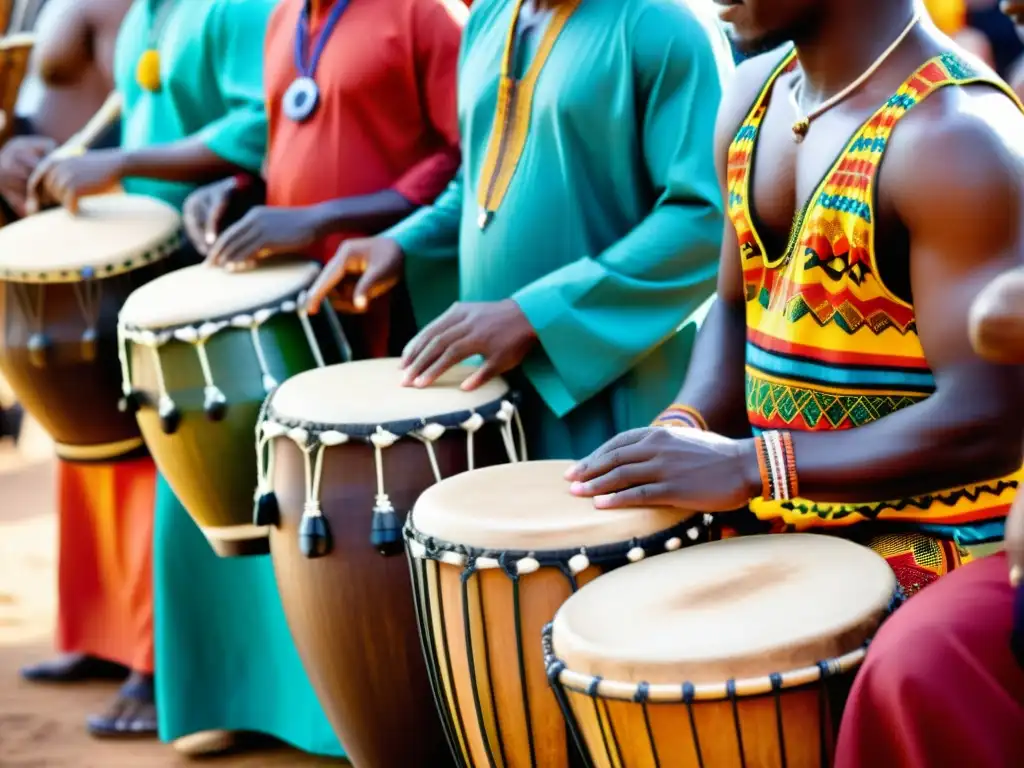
(750, 467)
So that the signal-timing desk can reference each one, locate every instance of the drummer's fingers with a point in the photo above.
(452, 353)
(635, 468)
(214, 214)
(413, 349)
(229, 244)
(591, 465)
(647, 495)
(481, 375)
(36, 186)
(242, 249)
(374, 282)
(332, 274)
(437, 350)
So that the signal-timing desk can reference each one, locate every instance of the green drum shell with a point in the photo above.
(211, 465)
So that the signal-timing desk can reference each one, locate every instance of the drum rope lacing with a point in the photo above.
(197, 335)
(314, 534)
(515, 564)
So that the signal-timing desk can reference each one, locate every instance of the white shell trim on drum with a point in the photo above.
(198, 334)
(753, 686)
(312, 444)
(576, 564)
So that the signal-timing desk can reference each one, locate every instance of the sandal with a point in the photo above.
(132, 715)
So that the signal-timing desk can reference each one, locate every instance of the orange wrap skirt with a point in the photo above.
(105, 561)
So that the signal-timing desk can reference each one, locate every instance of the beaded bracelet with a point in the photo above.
(678, 415)
(776, 461)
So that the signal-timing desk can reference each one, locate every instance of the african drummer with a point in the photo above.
(833, 385)
(576, 266)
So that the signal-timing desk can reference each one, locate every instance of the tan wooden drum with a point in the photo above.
(63, 279)
(348, 452)
(15, 55)
(494, 553)
(734, 653)
(201, 350)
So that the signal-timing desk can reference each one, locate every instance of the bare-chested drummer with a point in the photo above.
(875, 182)
(105, 590)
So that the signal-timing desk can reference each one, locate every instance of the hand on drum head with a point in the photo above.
(997, 319)
(669, 467)
(18, 159)
(374, 263)
(264, 232)
(205, 209)
(63, 180)
(496, 330)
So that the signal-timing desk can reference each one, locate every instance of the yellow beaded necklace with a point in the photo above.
(147, 71)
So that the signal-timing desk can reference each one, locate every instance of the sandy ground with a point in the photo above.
(42, 726)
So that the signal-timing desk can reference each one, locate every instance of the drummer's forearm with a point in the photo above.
(369, 214)
(189, 160)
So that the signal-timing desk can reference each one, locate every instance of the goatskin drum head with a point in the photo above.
(370, 392)
(739, 608)
(111, 234)
(527, 507)
(202, 292)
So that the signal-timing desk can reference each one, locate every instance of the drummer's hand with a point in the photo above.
(496, 330)
(64, 180)
(204, 210)
(264, 232)
(18, 159)
(375, 263)
(671, 467)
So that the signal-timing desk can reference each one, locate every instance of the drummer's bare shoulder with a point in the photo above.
(738, 98)
(954, 174)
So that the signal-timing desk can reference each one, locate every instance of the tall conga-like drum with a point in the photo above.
(735, 653)
(494, 553)
(202, 349)
(63, 279)
(348, 451)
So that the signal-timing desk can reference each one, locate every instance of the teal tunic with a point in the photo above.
(609, 233)
(224, 655)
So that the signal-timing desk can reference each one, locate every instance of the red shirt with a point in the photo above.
(387, 115)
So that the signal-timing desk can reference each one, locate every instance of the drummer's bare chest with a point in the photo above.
(785, 175)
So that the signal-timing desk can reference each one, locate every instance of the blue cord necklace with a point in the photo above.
(303, 95)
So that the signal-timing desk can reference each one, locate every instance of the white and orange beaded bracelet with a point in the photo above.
(776, 461)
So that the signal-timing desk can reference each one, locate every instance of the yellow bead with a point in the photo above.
(147, 72)
(800, 129)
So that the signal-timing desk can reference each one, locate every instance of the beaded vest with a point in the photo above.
(829, 345)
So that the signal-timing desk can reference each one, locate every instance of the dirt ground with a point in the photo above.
(42, 726)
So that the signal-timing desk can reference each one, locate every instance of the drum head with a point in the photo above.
(201, 292)
(370, 392)
(527, 507)
(111, 234)
(732, 609)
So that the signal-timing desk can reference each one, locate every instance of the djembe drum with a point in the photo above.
(201, 349)
(63, 279)
(735, 653)
(349, 450)
(15, 54)
(493, 554)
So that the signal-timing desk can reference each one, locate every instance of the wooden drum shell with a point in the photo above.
(351, 612)
(712, 734)
(73, 397)
(211, 465)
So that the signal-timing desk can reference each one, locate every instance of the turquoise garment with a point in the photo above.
(211, 56)
(608, 236)
(224, 655)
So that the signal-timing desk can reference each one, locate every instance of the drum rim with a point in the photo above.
(575, 560)
(286, 302)
(685, 692)
(302, 430)
(159, 250)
